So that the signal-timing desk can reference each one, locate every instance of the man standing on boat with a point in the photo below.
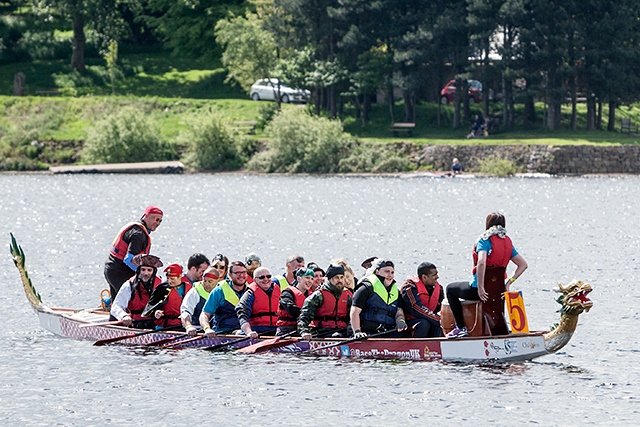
(222, 301)
(327, 309)
(294, 262)
(196, 266)
(132, 239)
(422, 297)
(258, 308)
(194, 301)
(135, 292)
(377, 305)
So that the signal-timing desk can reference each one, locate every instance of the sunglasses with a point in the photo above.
(158, 220)
(299, 259)
(266, 276)
(251, 261)
(220, 266)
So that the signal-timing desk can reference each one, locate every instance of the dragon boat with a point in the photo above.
(88, 324)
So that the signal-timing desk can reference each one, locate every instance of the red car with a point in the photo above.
(448, 92)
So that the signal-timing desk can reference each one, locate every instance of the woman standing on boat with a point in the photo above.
(491, 255)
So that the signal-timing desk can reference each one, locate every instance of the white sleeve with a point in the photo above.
(189, 302)
(119, 306)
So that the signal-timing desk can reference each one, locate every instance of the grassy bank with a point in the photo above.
(38, 131)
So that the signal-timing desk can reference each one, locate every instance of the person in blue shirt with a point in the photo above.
(493, 250)
(222, 301)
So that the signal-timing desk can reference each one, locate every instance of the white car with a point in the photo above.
(267, 89)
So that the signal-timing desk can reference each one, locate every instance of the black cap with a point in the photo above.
(333, 270)
(384, 263)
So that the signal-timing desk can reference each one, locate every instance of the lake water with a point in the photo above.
(585, 228)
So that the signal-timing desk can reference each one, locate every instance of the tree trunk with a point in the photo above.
(599, 119)
(485, 78)
(466, 117)
(408, 106)
(591, 113)
(529, 111)
(456, 105)
(611, 126)
(332, 101)
(574, 105)
(77, 54)
(366, 109)
(391, 100)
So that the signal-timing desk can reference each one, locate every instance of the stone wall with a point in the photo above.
(569, 159)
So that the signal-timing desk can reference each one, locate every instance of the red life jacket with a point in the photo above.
(429, 301)
(264, 311)
(333, 311)
(284, 317)
(139, 299)
(119, 247)
(501, 250)
(171, 308)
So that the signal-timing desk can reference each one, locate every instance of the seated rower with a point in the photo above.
(258, 308)
(165, 300)
(377, 305)
(134, 294)
(222, 302)
(196, 266)
(318, 276)
(291, 300)
(251, 261)
(422, 297)
(193, 302)
(327, 309)
(293, 263)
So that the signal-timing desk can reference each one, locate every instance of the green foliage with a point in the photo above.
(111, 58)
(126, 136)
(267, 112)
(212, 145)
(497, 166)
(304, 143)
(376, 158)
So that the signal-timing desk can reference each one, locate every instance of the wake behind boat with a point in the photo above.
(88, 324)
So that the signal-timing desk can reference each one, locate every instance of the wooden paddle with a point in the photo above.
(137, 334)
(379, 334)
(267, 345)
(228, 343)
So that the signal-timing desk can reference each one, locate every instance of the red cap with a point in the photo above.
(173, 270)
(153, 210)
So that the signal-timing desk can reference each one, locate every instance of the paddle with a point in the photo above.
(189, 339)
(176, 343)
(137, 334)
(228, 343)
(113, 322)
(379, 334)
(267, 345)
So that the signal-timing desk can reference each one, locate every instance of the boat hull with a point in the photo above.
(78, 325)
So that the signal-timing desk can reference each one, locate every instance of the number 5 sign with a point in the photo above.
(517, 313)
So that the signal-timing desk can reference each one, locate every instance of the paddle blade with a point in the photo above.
(110, 340)
(267, 345)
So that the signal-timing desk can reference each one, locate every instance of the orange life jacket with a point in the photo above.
(284, 317)
(264, 311)
(119, 247)
(139, 299)
(171, 308)
(333, 311)
(429, 301)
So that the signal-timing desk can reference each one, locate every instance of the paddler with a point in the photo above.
(491, 255)
(196, 266)
(222, 301)
(132, 239)
(195, 299)
(258, 308)
(327, 309)
(291, 300)
(135, 292)
(166, 298)
(422, 296)
(251, 261)
(318, 276)
(377, 305)
(293, 263)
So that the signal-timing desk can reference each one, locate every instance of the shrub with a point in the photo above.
(125, 137)
(211, 145)
(303, 143)
(377, 158)
(497, 166)
(266, 113)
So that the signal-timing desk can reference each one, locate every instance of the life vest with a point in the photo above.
(283, 282)
(185, 279)
(284, 317)
(225, 317)
(501, 250)
(333, 311)
(119, 247)
(381, 308)
(139, 299)
(429, 301)
(264, 311)
(195, 319)
(171, 307)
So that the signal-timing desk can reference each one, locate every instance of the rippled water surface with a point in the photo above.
(585, 228)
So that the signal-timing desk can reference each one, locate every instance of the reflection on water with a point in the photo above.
(566, 228)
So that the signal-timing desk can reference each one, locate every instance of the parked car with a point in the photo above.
(448, 92)
(267, 89)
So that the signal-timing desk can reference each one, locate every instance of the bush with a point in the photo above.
(126, 137)
(376, 158)
(497, 166)
(303, 143)
(211, 145)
